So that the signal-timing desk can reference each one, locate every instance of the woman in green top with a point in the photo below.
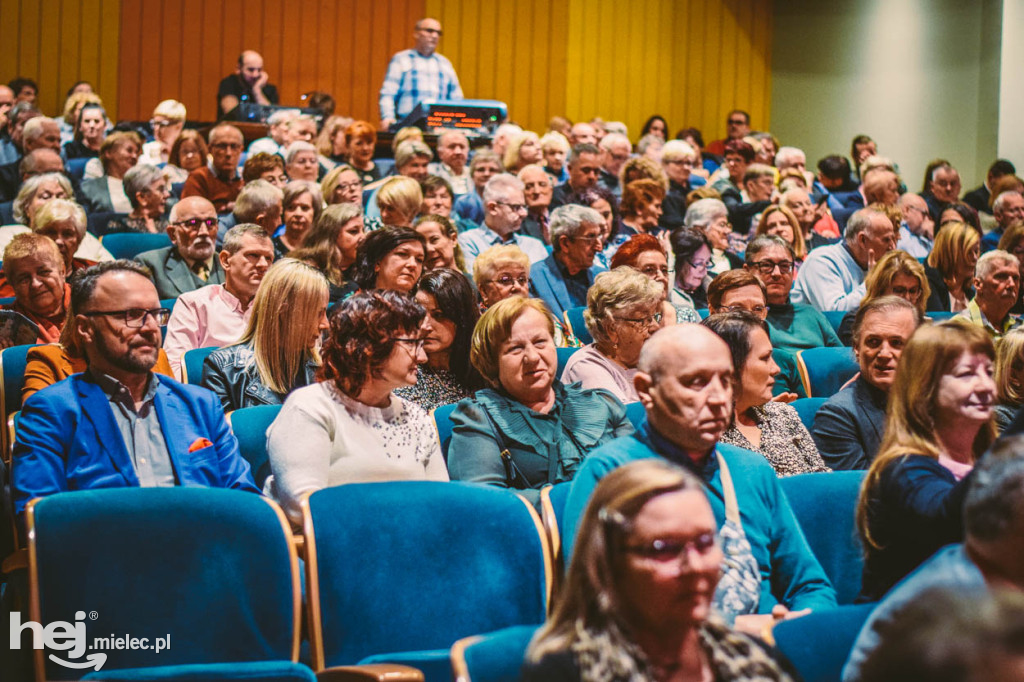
(528, 429)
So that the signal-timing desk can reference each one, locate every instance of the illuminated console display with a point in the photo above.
(472, 116)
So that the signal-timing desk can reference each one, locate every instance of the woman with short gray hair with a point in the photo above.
(623, 310)
(148, 193)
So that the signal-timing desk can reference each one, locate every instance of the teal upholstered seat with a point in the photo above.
(192, 364)
(250, 425)
(261, 671)
(443, 424)
(131, 244)
(563, 357)
(819, 643)
(806, 408)
(416, 566)
(494, 657)
(215, 569)
(825, 370)
(577, 325)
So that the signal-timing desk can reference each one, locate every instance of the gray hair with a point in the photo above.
(298, 146)
(554, 139)
(676, 150)
(611, 139)
(28, 192)
(568, 221)
(787, 155)
(138, 179)
(61, 210)
(499, 187)
(409, 150)
(703, 212)
(282, 116)
(613, 292)
(34, 128)
(233, 237)
(859, 222)
(646, 141)
(766, 241)
(617, 127)
(990, 260)
(257, 197)
(1000, 201)
(995, 497)
(482, 156)
(584, 148)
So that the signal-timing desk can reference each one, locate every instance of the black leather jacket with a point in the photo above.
(231, 373)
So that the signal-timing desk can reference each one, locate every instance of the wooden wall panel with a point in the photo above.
(59, 42)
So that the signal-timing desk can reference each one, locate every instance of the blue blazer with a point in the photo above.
(547, 284)
(67, 439)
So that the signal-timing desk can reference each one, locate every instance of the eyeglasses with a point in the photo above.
(193, 225)
(642, 321)
(904, 292)
(654, 270)
(134, 317)
(412, 344)
(346, 186)
(767, 267)
(226, 146)
(665, 551)
(435, 31)
(589, 240)
(736, 122)
(509, 280)
(516, 208)
(758, 310)
(161, 124)
(700, 265)
(685, 163)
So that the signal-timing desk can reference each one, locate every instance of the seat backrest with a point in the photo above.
(214, 568)
(98, 222)
(192, 364)
(13, 361)
(819, 643)
(131, 244)
(563, 357)
(418, 565)
(75, 168)
(494, 657)
(824, 505)
(443, 424)
(825, 370)
(940, 315)
(250, 425)
(806, 408)
(577, 325)
(835, 318)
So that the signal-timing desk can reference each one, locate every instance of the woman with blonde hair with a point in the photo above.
(637, 601)
(105, 194)
(330, 143)
(640, 168)
(342, 185)
(523, 150)
(938, 424)
(897, 273)
(280, 349)
(779, 221)
(623, 310)
(167, 122)
(332, 243)
(1009, 377)
(950, 267)
(399, 200)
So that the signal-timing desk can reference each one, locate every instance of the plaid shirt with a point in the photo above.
(412, 78)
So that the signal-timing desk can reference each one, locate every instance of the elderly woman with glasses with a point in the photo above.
(527, 429)
(148, 193)
(711, 217)
(623, 310)
(350, 427)
(692, 252)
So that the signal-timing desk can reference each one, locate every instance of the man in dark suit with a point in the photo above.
(848, 428)
(562, 279)
(978, 198)
(118, 424)
(190, 261)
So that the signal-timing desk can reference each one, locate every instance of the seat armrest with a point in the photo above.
(379, 672)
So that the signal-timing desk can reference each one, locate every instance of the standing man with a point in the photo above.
(249, 83)
(417, 74)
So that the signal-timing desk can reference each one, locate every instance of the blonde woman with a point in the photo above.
(938, 424)
(399, 200)
(280, 349)
(779, 221)
(950, 268)
(523, 150)
(1009, 378)
(897, 273)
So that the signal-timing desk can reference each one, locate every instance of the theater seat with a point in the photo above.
(131, 244)
(494, 657)
(443, 423)
(13, 361)
(806, 408)
(823, 371)
(563, 357)
(192, 364)
(819, 643)
(250, 425)
(576, 325)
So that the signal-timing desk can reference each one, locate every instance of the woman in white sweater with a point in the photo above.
(350, 428)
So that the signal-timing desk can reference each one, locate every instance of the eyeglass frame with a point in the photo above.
(156, 313)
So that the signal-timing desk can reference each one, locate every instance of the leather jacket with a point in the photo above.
(231, 373)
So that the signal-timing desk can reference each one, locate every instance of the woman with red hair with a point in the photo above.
(361, 140)
(644, 252)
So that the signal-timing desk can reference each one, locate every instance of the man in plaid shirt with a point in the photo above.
(417, 74)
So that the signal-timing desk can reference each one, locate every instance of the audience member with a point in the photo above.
(616, 150)
(737, 126)
(950, 268)
(40, 133)
(504, 271)
(438, 197)
(277, 139)
(685, 382)
(399, 199)
(119, 424)
(301, 207)
(484, 166)
(417, 74)
(528, 429)
(623, 310)
(447, 376)
(779, 221)
(342, 186)
(896, 274)
(1009, 378)
(219, 182)
(996, 286)
(522, 150)
(188, 153)
(279, 350)
(389, 258)
(814, 223)
(301, 161)
(249, 83)
(261, 203)
(941, 187)
(167, 122)
(146, 188)
(505, 206)
(646, 253)
(642, 209)
(938, 424)
(584, 170)
(361, 142)
(35, 270)
(978, 198)
(917, 231)
(36, 162)
(710, 217)
(442, 243)
(349, 427)
(537, 190)
(555, 148)
(218, 314)
(452, 154)
(562, 279)
(105, 194)
(190, 261)
(637, 603)
(1007, 208)
(692, 261)
(89, 133)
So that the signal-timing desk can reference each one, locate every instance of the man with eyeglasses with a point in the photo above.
(562, 279)
(737, 126)
(417, 74)
(537, 189)
(918, 229)
(1008, 208)
(218, 314)
(584, 170)
(793, 326)
(504, 210)
(219, 180)
(189, 262)
(942, 187)
(118, 424)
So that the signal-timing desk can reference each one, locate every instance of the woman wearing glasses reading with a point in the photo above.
(623, 310)
(350, 427)
(528, 429)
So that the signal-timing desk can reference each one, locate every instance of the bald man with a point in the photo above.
(685, 382)
(190, 261)
(249, 83)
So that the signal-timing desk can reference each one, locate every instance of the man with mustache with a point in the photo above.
(118, 424)
(190, 261)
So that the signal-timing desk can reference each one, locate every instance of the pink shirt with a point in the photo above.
(208, 316)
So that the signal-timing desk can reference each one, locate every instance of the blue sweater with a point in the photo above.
(790, 574)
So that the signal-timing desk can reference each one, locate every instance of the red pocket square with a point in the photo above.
(199, 444)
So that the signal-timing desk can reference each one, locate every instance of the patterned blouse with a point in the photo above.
(434, 388)
(785, 442)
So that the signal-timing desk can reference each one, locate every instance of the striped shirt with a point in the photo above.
(412, 78)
